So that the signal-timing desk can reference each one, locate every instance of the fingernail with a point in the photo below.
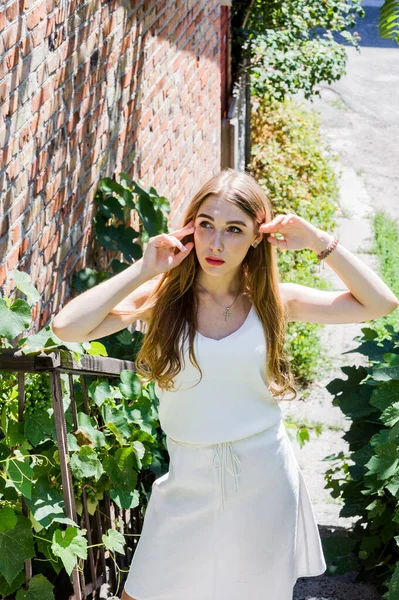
(184, 249)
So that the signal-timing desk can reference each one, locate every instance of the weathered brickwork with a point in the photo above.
(88, 89)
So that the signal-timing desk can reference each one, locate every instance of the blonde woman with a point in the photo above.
(232, 518)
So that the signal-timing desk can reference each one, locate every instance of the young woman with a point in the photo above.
(232, 518)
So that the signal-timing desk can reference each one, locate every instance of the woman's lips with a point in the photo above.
(214, 262)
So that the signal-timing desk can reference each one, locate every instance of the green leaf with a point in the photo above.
(337, 546)
(85, 463)
(39, 426)
(122, 467)
(354, 405)
(120, 416)
(89, 428)
(16, 546)
(384, 373)
(393, 486)
(20, 474)
(39, 588)
(97, 349)
(45, 339)
(100, 391)
(385, 394)
(120, 239)
(8, 589)
(386, 462)
(72, 442)
(114, 541)
(69, 545)
(390, 416)
(152, 218)
(14, 432)
(394, 585)
(24, 284)
(111, 207)
(46, 504)
(130, 385)
(8, 519)
(113, 428)
(369, 334)
(118, 266)
(125, 498)
(87, 278)
(14, 318)
(391, 358)
(124, 195)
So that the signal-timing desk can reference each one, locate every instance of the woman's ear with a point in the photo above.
(257, 241)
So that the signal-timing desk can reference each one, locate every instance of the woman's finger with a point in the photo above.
(266, 227)
(170, 240)
(186, 230)
(279, 243)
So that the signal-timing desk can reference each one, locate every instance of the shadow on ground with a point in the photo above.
(341, 587)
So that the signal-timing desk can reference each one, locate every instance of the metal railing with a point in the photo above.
(99, 568)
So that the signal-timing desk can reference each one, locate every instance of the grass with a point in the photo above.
(386, 248)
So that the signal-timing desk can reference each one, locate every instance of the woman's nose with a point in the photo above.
(216, 242)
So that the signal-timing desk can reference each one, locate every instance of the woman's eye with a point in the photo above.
(236, 229)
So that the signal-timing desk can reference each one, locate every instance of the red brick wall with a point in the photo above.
(89, 89)
(225, 62)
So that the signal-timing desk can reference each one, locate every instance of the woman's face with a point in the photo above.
(222, 231)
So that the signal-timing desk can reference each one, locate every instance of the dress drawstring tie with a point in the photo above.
(224, 458)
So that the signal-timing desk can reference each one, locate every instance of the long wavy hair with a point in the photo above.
(173, 303)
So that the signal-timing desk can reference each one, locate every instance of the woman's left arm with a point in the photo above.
(368, 296)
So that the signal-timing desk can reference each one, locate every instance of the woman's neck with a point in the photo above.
(219, 287)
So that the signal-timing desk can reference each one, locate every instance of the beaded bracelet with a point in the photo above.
(322, 255)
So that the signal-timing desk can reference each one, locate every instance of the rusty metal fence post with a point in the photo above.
(56, 363)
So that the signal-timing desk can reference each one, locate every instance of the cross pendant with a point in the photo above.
(226, 314)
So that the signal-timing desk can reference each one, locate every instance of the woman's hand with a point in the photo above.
(160, 257)
(297, 232)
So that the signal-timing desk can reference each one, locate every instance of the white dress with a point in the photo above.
(232, 518)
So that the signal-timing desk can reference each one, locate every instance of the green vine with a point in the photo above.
(116, 450)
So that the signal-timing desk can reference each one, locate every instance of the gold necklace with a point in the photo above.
(227, 312)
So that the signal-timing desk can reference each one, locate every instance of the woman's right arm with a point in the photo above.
(85, 317)
(83, 314)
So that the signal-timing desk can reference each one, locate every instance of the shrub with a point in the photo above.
(293, 44)
(294, 166)
(367, 478)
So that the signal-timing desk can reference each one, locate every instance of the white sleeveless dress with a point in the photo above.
(232, 518)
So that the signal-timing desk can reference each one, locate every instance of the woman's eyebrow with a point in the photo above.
(227, 222)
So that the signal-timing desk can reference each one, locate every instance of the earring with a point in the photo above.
(255, 244)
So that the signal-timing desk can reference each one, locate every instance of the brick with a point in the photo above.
(16, 234)
(12, 58)
(36, 16)
(12, 260)
(3, 274)
(12, 11)
(2, 20)
(144, 126)
(10, 36)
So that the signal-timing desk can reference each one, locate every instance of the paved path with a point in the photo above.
(360, 121)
